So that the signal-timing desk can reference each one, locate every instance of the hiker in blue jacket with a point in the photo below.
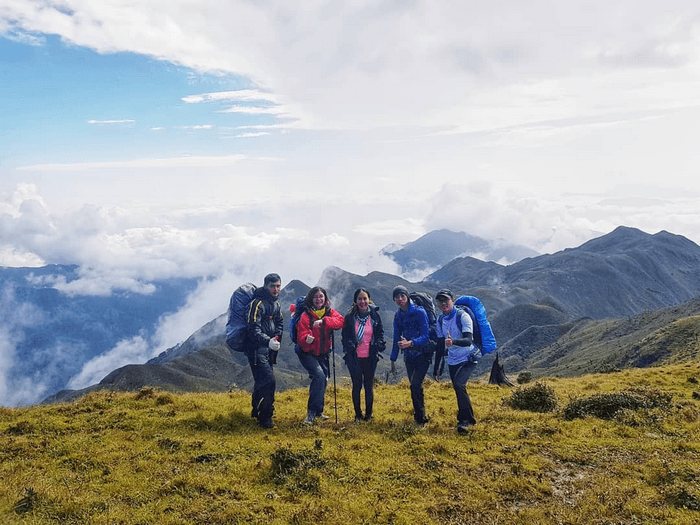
(455, 339)
(265, 326)
(411, 336)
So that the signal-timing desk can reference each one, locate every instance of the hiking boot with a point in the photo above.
(323, 416)
(463, 428)
(423, 421)
(267, 423)
(369, 418)
(359, 419)
(309, 420)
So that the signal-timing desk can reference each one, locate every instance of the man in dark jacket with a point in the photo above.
(412, 337)
(265, 325)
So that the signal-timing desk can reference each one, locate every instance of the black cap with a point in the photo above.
(444, 293)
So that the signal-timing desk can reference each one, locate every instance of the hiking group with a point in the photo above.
(457, 336)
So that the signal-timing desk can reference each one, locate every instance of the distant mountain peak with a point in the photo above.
(438, 247)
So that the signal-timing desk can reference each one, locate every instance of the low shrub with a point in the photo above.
(608, 406)
(537, 398)
(524, 377)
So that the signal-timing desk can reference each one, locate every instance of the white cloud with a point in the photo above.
(17, 315)
(128, 351)
(255, 110)
(243, 95)
(21, 37)
(125, 121)
(93, 283)
(173, 162)
(10, 256)
(251, 135)
(367, 65)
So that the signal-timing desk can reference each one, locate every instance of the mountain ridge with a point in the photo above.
(534, 302)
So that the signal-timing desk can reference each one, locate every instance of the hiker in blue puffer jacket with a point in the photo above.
(411, 336)
(455, 339)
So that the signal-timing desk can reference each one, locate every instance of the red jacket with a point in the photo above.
(321, 344)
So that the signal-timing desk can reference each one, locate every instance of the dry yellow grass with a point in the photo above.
(156, 457)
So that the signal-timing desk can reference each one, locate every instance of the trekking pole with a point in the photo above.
(335, 393)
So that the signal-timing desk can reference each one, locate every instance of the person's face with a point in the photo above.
(402, 301)
(319, 300)
(274, 288)
(445, 304)
(362, 301)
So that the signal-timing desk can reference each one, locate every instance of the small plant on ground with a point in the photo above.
(524, 377)
(609, 406)
(292, 469)
(537, 398)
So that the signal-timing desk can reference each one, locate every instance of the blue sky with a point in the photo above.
(225, 140)
(61, 95)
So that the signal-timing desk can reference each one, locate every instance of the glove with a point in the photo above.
(274, 344)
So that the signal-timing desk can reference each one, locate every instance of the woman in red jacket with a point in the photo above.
(315, 338)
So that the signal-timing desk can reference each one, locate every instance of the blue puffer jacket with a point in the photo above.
(413, 325)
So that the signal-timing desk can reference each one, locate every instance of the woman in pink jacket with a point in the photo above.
(315, 339)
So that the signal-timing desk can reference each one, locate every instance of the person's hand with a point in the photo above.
(448, 340)
(437, 378)
(393, 367)
(403, 343)
(274, 343)
(309, 339)
(318, 323)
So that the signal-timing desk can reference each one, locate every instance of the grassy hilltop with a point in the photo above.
(158, 457)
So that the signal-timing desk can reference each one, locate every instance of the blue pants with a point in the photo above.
(460, 374)
(319, 372)
(416, 368)
(264, 383)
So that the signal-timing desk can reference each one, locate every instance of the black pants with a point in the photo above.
(264, 383)
(362, 374)
(417, 368)
(460, 374)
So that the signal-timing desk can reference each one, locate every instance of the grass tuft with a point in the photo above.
(610, 405)
(536, 398)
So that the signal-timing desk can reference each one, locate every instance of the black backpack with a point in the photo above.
(424, 300)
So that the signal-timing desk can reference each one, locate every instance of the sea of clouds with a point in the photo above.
(124, 249)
